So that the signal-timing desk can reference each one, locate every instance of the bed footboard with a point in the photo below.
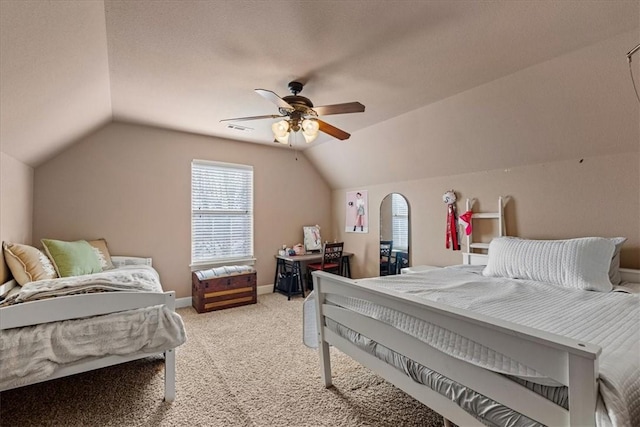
(77, 306)
(86, 305)
(567, 361)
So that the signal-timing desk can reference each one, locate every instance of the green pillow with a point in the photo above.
(72, 258)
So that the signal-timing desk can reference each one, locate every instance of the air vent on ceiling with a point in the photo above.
(239, 128)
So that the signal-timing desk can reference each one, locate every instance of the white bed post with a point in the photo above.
(501, 225)
(170, 360)
(323, 346)
(469, 207)
(583, 390)
(170, 375)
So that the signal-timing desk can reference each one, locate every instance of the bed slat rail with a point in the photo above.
(503, 390)
(77, 306)
(569, 362)
(86, 365)
(425, 395)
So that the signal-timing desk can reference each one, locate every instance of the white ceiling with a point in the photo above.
(188, 64)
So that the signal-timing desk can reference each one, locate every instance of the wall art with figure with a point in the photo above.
(357, 220)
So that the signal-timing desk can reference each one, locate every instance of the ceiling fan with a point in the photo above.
(300, 114)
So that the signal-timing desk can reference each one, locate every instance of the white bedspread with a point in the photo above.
(33, 353)
(610, 320)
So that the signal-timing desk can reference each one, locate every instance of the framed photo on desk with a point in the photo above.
(312, 239)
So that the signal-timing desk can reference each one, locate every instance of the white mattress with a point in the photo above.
(610, 320)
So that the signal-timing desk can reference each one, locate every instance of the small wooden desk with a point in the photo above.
(296, 268)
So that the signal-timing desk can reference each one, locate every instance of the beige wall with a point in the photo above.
(522, 136)
(131, 185)
(16, 205)
(598, 197)
(577, 105)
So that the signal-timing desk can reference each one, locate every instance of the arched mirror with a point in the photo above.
(395, 223)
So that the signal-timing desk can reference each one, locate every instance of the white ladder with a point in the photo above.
(499, 216)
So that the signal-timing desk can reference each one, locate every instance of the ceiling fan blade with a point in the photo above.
(347, 107)
(271, 96)
(240, 119)
(333, 131)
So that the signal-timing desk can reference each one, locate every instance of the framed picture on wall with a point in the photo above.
(357, 220)
(312, 239)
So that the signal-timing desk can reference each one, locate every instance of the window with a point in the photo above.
(221, 213)
(400, 214)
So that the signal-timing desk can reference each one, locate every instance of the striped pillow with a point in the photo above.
(575, 263)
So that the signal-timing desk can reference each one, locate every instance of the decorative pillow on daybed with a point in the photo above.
(27, 264)
(575, 263)
(72, 258)
(102, 251)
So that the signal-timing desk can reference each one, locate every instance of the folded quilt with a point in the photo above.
(130, 278)
(230, 270)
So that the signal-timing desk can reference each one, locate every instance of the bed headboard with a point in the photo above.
(630, 275)
(474, 259)
(472, 256)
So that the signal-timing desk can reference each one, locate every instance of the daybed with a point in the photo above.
(56, 327)
(484, 350)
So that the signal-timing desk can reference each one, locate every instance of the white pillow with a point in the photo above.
(614, 269)
(576, 263)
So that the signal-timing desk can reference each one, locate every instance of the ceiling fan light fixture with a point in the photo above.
(310, 126)
(281, 131)
(280, 128)
(310, 129)
(283, 139)
(309, 138)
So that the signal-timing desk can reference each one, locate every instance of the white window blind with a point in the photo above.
(221, 212)
(400, 214)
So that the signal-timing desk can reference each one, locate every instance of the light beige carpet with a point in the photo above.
(244, 366)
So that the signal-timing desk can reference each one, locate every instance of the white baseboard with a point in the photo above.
(183, 302)
(186, 301)
(265, 289)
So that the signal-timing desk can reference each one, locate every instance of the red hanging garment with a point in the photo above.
(452, 229)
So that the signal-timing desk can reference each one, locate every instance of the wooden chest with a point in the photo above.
(216, 293)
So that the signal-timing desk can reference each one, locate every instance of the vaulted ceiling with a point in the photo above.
(67, 68)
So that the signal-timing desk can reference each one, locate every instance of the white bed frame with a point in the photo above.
(569, 362)
(77, 306)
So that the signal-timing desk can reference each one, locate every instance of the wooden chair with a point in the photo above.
(386, 246)
(402, 261)
(331, 261)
